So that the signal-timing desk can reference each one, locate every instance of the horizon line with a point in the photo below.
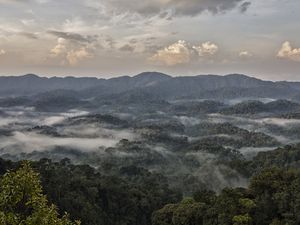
(135, 75)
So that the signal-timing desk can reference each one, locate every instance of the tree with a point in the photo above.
(187, 212)
(275, 192)
(164, 216)
(242, 220)
(22, 200)
(247, 206)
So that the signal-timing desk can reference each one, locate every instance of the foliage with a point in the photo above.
(273, 198)
(22, 201)
(129, 198)
(187, 212)
(134, 196)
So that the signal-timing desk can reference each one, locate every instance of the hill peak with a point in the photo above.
(153, 75)
(30, 75)
(241, 76)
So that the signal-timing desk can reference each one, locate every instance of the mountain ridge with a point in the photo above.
(165, 86)
(141, 74)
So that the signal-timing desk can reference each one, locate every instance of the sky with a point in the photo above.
(108, 38)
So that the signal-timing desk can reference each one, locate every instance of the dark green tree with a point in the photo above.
(22, 200)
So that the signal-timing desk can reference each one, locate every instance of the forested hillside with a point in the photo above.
(154, 149)
(135, 196)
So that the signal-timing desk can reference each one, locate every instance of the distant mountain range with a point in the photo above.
(152, 85)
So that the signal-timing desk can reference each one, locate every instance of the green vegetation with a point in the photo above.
(287, 157)
(85, 194)
(226, 134)
(135, 196)
(22, 201)
(254, 107)
(273, 197)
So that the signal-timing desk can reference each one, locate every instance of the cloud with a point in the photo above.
(244, 6)
(206, 49)
(177, 53)
(10, 1)
(60, 48)
(28, 22)
(245, 54)
(74, 56)
(28, 35)
(84, 137)
(2, 52)
(177, 7)
(127, 48)
(182, 52)
(29, 142)
(69, 52)
(22, 1)
(73, 36)
(287, 52)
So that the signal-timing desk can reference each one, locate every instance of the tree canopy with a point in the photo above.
(22, 200)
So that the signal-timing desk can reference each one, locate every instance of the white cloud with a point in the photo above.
(74, 56)
(245, 54)
(60, 48)
(2, 52)
(182, 52)
(28, 22)
(75, 25)
(206, 49)
(69, 52)
(177, 53)
(287, 52)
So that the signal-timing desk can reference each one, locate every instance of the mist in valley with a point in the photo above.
(187, 141)
(154, 112)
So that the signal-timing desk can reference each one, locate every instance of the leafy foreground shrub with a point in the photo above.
(22, 201)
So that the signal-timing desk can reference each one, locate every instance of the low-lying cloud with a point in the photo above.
(28, 142)
(21, 138)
